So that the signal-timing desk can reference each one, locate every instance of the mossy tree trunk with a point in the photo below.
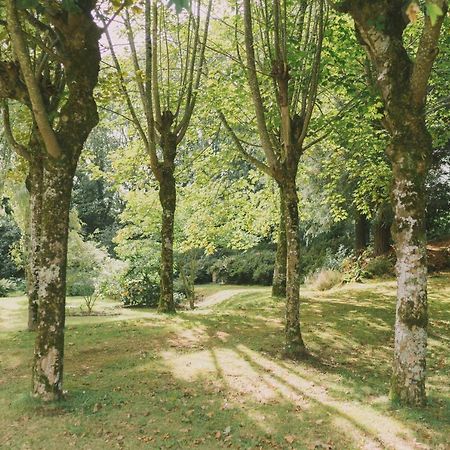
(294, 345)
(168, 199)
(409, 155)
(49, 346)
(279, 273)
(167, 196)
(403, 85)
(35, 190)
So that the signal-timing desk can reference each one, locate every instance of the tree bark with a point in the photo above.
(409, 154)
(361, 233)
(279, 273)
(382, 231)
(403, 84)
(35, 189)
(49, 346)
(167, 197)
(294, 345)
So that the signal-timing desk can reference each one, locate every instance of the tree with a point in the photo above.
(402, 82)
(55, 83)
(283, 76)
(168, 93)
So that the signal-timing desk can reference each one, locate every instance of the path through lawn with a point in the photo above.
(221, 296)
(214, 378)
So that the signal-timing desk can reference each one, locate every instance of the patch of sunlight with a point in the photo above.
(11, 362)
(340, 340)
(261, 420)
(241, 377)
(189, 337)
(189, 367)
(13, 314)
(388, 431)
(300, 401)
(268, 322)
(363, 442)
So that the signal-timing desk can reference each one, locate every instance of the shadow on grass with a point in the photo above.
(217, 380)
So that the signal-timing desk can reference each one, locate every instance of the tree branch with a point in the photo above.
(18, 148)
(194, 85)
(249, 158)
(11, 85)
(154, 64)
(426, 54)
(123, 88)
(254, 86)
(37, 103)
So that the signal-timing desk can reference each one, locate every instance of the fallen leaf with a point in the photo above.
(97, 407)
(289, 438)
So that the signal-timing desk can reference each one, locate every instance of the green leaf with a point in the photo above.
(26, 4)
(71, 6)
(433, 11)
(180, 4)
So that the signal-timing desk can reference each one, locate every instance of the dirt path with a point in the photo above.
(219, 297)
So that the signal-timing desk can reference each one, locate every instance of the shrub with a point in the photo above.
(253, 266)
(90, 301)
(324, 279)
(139, 287)
(90, 268)
(10, 236)
(80, 285)
(6, 286)
(379, 267)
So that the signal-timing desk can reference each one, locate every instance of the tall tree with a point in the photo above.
(402, 82)
(168, 87)
(283, 44)
(56, 84)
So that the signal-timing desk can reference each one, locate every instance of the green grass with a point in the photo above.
(217, 380)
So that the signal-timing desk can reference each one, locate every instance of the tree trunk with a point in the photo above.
(167, 196)
(409, 157)
(34, 186)
(382, 231)
(49, 346)
(294, 346)
(279, 273)
(361, 233)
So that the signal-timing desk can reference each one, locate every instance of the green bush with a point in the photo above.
(90, 268)
(6, 286)
(379, 267)
(10, 236)
(80, 287)
(254, 266)
(139, 286)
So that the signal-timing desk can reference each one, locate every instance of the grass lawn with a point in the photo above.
(215, 379)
